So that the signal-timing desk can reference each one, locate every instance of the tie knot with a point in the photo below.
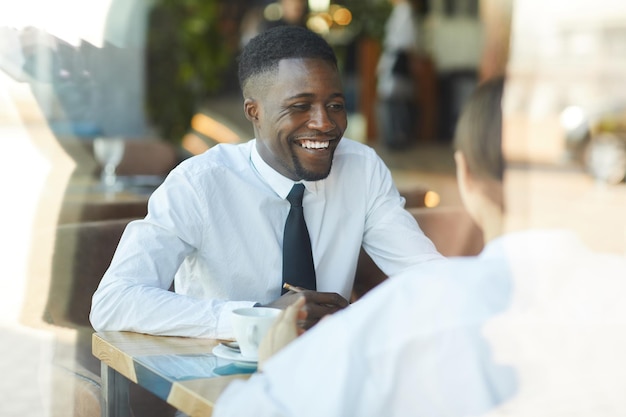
(295, 195)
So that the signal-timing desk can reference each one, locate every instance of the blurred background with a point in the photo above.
(99, 100)
(144, 67)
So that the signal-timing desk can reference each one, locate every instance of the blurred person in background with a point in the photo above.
(396, 85)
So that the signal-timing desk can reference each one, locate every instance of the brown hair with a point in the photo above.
(478, 132)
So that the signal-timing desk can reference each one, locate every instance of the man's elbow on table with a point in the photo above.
(99, 316)
(105, 306)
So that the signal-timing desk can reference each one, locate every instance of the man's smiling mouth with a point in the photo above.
(314, 144)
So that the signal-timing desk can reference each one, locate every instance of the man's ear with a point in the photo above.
(251, 110)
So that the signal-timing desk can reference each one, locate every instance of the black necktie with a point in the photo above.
(298, 266)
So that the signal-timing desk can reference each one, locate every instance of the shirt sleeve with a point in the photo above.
(134, 292)
(392, 237)
(307, 369)
(407, 348)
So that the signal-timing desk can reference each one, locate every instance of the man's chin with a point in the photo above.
(315, 177)
(312, 175)
(317, 171)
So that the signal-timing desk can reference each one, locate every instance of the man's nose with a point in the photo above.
(320, 120)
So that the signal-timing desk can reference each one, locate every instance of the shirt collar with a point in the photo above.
(279, 183)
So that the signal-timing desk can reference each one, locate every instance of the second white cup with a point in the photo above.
(250, 325)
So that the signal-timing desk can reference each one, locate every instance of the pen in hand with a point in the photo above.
(333, 306)
(293, 288)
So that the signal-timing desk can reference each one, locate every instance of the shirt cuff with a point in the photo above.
(224, 325)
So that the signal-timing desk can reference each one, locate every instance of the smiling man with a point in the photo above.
(299, 125)
(215, 227)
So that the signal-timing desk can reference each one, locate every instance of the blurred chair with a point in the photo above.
(414, 195)
(98, 209)
(142, 156)
(77, 392)
(148, 157)
(82, 254)
(450, 228)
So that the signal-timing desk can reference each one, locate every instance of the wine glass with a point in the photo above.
(109, 152)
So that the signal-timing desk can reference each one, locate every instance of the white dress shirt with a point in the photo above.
(216, 226)
(469, 337)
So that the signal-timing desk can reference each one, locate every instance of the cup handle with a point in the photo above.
(252, 335)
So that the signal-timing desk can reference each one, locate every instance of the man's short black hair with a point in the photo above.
(266, 50)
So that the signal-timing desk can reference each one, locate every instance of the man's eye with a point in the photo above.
(301, 106)
(336, 106)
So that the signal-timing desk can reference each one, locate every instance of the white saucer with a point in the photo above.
(224, 352)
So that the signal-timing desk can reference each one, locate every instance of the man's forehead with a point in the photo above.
(289, 64)
(286, 69)
(313, 76)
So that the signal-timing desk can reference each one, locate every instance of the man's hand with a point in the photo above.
(283, 331)
(316, 305)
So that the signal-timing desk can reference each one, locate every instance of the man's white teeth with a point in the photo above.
(313, 144)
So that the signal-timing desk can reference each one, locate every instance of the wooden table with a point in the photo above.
(181, 371)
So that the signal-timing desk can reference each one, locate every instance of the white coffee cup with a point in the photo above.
(250, 326)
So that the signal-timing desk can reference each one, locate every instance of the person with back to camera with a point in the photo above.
(533, 325)
(215, 226)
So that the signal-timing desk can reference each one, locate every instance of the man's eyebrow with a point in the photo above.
(309, 95)
(301, 95)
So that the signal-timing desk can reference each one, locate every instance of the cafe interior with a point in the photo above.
(100, 100)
